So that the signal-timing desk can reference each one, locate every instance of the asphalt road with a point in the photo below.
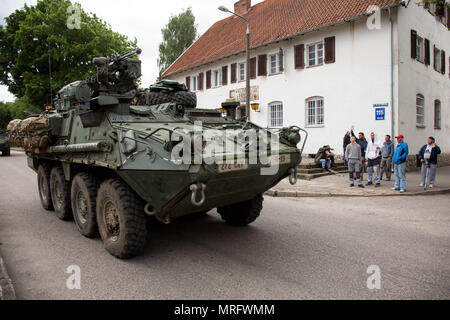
(298, 249)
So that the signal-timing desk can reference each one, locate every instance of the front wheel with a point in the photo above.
(121, 219)
(244, 213)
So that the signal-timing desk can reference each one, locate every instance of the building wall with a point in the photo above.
(359, 79)
(415, 77)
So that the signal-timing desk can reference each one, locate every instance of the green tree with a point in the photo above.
(19, 109)
(178, 35)
(35, 35)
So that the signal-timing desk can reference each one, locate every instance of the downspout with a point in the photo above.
(392, 73)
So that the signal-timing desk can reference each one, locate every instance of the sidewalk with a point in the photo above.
(6, 288)
(338, 186)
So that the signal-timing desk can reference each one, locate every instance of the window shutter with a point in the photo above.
(330, 50)
(200, 81)
(448, 18)
(253, 68)
(434, 58)
(233, 72)
(413, 44)
(427, 52)
(281, 57)
(262, 65)
(188, 83)
(299, 56)
(440, 9)
(224, 75)
(426, 5)
(208, 79)
(443, 62)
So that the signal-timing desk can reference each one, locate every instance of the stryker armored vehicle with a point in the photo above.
(104, 156)
(4, 144)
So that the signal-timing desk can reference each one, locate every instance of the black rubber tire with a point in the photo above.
(85, 187)
(43, 180)
(244, 213)
(184, 98)
(60, 191)
(131, 237)
(6, 153)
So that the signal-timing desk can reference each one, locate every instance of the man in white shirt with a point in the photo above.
(373, 160)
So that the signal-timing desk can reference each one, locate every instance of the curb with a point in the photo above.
(294, 194)
(6, 287)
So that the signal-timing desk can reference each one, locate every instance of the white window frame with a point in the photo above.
(437, 106)
(420, 49)
(315, 112)
(277, 64)
(217, 78)
(437, 63)
(242, 77)
(195, 83)
(319, 59)
(420, 110)
(276, 114)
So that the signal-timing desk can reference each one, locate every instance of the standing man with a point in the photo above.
(373, 160)
(353, 154)
(363, 144)
(387, 152)
(428, 155)
(400, 154)
(346, 143)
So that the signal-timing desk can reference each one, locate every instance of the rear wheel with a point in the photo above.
(43, 178)
(83, 197)
(121, 219)
(60, 192)
(244, 213)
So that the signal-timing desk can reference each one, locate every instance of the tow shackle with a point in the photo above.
(199, 187)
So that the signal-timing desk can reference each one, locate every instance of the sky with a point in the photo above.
(142, 19)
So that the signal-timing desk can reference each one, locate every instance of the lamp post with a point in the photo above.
(247, 65)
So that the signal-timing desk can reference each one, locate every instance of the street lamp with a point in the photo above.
(247, 66)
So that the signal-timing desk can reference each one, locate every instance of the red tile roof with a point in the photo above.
(269, 21)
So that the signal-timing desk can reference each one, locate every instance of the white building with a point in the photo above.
(325, 67)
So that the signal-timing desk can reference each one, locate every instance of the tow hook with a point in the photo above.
(293, 176)
(196, 188)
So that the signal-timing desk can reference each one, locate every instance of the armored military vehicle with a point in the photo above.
(4, 144)
(104, 156)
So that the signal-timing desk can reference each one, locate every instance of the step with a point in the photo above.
(309, 177)
(314, 166)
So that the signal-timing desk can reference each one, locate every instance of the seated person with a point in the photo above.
(325, 157)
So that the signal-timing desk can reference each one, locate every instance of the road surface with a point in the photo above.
(298, 249)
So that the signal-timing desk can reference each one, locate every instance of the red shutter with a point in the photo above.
(200, 81)
(262, 65)
(188, 83)
(427, 52)
(434, 58)
(281, 57)
(448, 18)
(299, 56)
(233, 72)
(224, 75)
(413, 44)
(440, 9)
(208, 79)
(253, 68)
(330, 50)
(443, 62)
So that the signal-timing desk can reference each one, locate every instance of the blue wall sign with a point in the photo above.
(380, 114)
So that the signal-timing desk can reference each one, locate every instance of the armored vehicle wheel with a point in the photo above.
(43, 179)
(244, 213)
(60, 191)
(6, 153)
(185, 98)
(84, 197)
(121, 219)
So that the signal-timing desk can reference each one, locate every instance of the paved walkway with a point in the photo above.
(338, 186)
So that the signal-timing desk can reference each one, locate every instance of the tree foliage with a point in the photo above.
(178, 35)
(34, 33)
(19, 109)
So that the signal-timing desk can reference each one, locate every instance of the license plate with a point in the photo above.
(280, 160)
(232, 167)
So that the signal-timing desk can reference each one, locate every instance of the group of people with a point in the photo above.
(377, 158)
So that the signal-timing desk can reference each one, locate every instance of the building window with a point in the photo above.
(420, 49)
(217, 78)
(275, 63)
(437, 114)
(437, 60)
(195, 83)
(315, 54)
(242, 72)
(420, 110)
(315, 111)
(276, 114)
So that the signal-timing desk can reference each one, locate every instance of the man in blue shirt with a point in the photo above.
(400, 155)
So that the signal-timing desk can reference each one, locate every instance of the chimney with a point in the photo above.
(242, 6)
